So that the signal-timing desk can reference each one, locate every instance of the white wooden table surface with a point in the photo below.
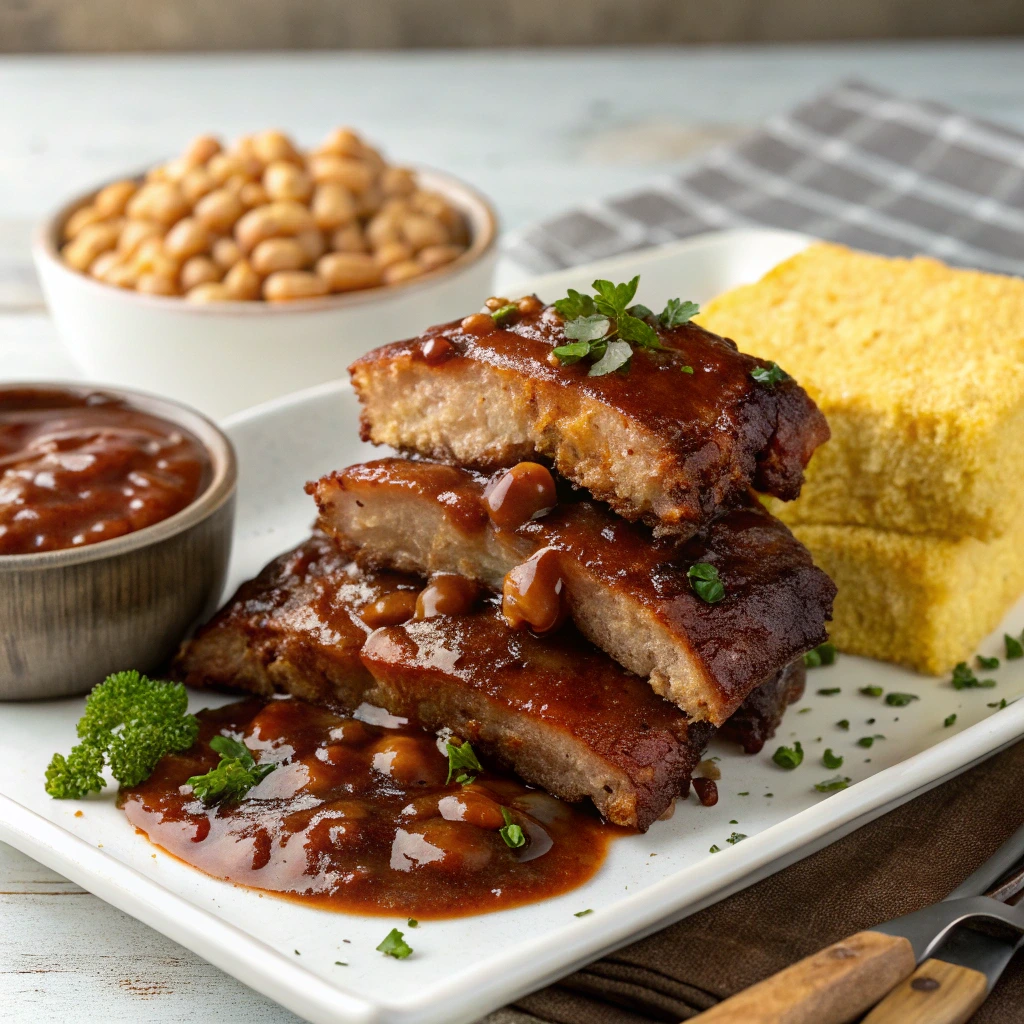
(536, 131)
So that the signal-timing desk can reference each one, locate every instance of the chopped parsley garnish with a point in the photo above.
(769, 375)
(705, 582)
(511, 832)
(830, 760)
(867, 741)
(871, 691)
(1014, 649)
(823, 654)
(686, 369)
(236, 773)
(733, 821)
(949, 720)
(900, 700)
(412, 923)
(460, 758)
(844, 724)
(965, 679)
(394, 944)
(736, 837)
(998, 704)
(340, 963)
(987, 663)
(606, 329)
(129, 722)
(830, 691)
(583, 913)
(831, 785)
(714, 849)
(503, 311)
(789, 757)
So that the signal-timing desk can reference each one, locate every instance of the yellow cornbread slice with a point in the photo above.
(919, 369)
(918, 600)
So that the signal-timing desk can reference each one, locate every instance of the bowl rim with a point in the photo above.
(472, 203)
(218, 492)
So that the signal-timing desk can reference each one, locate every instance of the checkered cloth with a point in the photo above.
(858, 166)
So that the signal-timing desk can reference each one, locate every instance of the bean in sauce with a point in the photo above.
(359, 817)
(78, 467)
(524, 492)
(533, 593)
(447, 594)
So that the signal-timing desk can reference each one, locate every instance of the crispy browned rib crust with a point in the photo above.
(656, 443)
(628, 593)
(558, 712)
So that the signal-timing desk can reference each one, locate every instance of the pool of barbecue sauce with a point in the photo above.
(78, 467)
(358, 817)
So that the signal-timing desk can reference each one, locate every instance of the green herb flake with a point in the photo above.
(129, 722)
(714, 849)
(868, 741)
(871, 691)
(745, 792)
(789, 757)
(805, 711)
(394, 944)
(830, 760)
(823, 654)
(769, 375)
(412, 923)
(830, 691)
(733, 821)
(900, 700)
(340, 963)
(460, 757)
(987, 663)
(844, 724)
(1014, 650)
(705, 582)
(583, 913)
(234, 775)
(503, 311)
(965, 679)
(832, 785)
(736, 837)
(998, 704)
(686, 369)
(676, 313)
(949, 720)
(511, 832)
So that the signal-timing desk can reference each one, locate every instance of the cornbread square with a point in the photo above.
(919, 369)
(921, 601)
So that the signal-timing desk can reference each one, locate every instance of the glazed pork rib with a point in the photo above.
(556, 711)
(627, 592)
(657, 443)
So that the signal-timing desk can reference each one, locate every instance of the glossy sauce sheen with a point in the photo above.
(79, 467)
(358, 817)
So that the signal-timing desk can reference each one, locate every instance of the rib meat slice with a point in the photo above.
(658, 444)
(628, 593)
(555, 710)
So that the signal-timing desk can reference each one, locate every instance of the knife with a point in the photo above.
(839, 983)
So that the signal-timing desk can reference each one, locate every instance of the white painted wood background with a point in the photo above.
(537, 132)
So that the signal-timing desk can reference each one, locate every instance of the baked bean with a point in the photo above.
(384, 228)
(112, 200)
(354, 174)
(135, 232)
(159, 201)
(199, 270)
(342, 141)
(533, 594)
(272, 221)
(312, 242)
(243, 282)
(398, 181)
(495, 303)
(447, 594)
(520, 494)
(349, 239)
(219, 210)
(89, 243)
(405, 270)
(252, 194)
(122, 275)
(150, 257)
(421, 230)
(529, 305)
(200, 150)
(392, 252)
(226, 165)
(83, 217)
(333, 206)
(273, 145)
(348, 271)
(187, 238)
(466, 848)
(196, 184)
(289, 285)
(274, 254)
(104, 262)
(390, 610)
(175, 170)
(478, 323)
(408, 761)
(473, 806)
(210, 292)
(284, 180)
(435, 256)
(156, 284)
(226, 253)
(368, 203)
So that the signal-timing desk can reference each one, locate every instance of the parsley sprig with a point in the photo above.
(236, 773)
(394, 944)
(512, 832)
(462, 759)
(607, 329)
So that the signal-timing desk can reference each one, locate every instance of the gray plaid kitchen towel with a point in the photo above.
(857, 165)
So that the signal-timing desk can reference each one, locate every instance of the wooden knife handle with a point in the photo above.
(834, 986)
(936, 993)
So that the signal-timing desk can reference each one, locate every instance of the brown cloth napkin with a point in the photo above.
(901, 862)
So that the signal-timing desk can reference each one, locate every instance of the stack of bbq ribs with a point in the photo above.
(570, 571)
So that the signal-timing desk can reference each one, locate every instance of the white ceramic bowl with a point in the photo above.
(225, 356)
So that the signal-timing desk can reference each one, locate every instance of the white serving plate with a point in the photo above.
(464, 968)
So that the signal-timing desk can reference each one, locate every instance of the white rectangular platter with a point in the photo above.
(463, 968)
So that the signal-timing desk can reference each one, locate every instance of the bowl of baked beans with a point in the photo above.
(116, 517)
(237, 272)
